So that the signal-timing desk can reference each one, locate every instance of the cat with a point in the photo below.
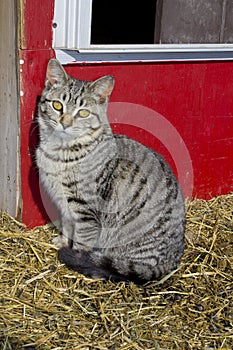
(121, 208)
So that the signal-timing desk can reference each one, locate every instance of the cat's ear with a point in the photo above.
(103, 87)
(55, 73)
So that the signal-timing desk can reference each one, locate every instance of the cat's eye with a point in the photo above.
(83, 113)
(57, 105)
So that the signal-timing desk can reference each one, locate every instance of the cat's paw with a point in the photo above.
(60, 241)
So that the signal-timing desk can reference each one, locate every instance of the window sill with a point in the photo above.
(167, 53)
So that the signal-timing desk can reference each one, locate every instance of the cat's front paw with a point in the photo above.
(61, 241)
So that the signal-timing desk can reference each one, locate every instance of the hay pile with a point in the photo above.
(43, 305)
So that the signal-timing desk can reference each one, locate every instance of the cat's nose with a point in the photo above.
(66, 121)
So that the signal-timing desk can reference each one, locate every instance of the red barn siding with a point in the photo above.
(196, 98)
(36, 24)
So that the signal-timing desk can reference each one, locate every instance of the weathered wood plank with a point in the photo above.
(196, 22)
(227, 35)
(9, 123)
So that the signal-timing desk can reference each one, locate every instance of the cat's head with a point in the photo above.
(73, 109)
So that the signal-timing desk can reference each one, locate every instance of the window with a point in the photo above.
(150, 30)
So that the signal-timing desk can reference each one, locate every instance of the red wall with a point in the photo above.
(195, 99)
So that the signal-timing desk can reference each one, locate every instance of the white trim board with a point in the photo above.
(74, 56)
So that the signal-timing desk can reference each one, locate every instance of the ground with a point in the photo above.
(44, 305)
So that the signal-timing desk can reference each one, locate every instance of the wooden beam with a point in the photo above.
(9, 113)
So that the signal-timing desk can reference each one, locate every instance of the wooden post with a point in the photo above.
(9, 112)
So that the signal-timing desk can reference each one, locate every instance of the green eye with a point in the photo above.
(57, 105)
(83, 113)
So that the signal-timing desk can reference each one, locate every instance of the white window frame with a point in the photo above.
(72, 41)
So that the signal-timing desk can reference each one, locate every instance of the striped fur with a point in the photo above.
(121, 208)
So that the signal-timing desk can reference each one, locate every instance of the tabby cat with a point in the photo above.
(121, 208)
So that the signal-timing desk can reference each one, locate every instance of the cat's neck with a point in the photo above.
(65, 149)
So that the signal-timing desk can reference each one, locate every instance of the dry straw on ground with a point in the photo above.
(43, 305)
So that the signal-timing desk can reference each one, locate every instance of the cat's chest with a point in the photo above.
(52, 162)
(59, 168)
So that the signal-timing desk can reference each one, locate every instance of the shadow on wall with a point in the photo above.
(40, 197)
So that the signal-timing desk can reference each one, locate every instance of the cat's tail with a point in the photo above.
(87, 263)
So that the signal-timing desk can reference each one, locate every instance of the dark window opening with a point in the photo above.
(123, 22)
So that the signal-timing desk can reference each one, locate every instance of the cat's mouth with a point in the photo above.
(62, 132)
(68, 132)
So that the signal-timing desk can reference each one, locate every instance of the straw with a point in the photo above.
(44, 305)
